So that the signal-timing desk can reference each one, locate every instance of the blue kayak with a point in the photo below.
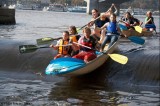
(71, 67)
(123, 27)
(64, 65)
(133, 38)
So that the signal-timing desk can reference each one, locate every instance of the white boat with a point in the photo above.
(78, 9)
(45, 9)
(57, 8)
(71, 67)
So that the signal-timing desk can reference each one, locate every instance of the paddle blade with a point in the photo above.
(46, 40)
(137, 40)
(123, 27)
(27, 48)
(138, 29)
(78, 29)
(119, 58)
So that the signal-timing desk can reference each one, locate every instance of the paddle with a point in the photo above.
(46, 40)
(134, 39)
(138, 29)
(32, 48)
(116, 57)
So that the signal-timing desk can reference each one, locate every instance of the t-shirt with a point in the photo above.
(99, 23)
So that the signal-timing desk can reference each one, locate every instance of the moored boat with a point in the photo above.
(76, 67)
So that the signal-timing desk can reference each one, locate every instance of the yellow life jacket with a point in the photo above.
(73, 38)
(63, 49)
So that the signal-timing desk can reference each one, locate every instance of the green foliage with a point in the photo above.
(144, 4)
(70, 2)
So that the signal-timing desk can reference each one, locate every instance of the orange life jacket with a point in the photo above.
(73, 38)
(63, 49)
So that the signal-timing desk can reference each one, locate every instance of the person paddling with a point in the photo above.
(74, 37)
(130, 21)
(149, 22)
(62, 46)
(73, 34)
(112, 32)
(97, 32)
(84, 43)
(110, 10)
(98, 20)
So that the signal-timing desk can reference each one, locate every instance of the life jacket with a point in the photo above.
(73, 38)
(151, 21)
(112, 28)
(63, 49)
(129, 21)
(87, 42)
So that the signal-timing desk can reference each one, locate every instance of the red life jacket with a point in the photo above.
(86, 42)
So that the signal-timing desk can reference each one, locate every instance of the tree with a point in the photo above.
(144, 4)
(70, 2)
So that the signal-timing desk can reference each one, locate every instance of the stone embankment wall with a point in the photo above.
(7, 16)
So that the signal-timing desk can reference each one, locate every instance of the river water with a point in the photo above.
(23, 82)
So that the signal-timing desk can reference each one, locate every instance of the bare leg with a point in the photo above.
(103, 33)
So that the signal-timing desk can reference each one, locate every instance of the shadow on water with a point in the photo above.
(11, 59)
(85, 90)
(111, 84)
(136, 83)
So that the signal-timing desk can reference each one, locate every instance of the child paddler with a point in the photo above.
(98, 20)
(73, 34)
(130, 21)
(74, 37)
(84, 43)
(112, 32)
(62, 46)
(149, 22)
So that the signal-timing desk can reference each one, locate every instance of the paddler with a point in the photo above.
(62, 46)
(74, 37)
(113, 31)
(130, 21)
(98, 20)
(149, 22)
(86, 45)
(73, 34)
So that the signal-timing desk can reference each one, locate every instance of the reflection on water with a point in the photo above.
(23, 82)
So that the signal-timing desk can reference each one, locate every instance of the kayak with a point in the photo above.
(69, 66)
(131, 32)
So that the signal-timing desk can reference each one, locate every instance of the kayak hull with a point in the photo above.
(131, 32)
(70, 68)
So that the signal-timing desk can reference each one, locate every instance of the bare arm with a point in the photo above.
(104, 26)
(116, 10)
(148, 21)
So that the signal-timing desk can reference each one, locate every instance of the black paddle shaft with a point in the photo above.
(30, 48)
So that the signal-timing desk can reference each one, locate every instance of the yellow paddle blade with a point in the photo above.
(138, 29)
(119, 58)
